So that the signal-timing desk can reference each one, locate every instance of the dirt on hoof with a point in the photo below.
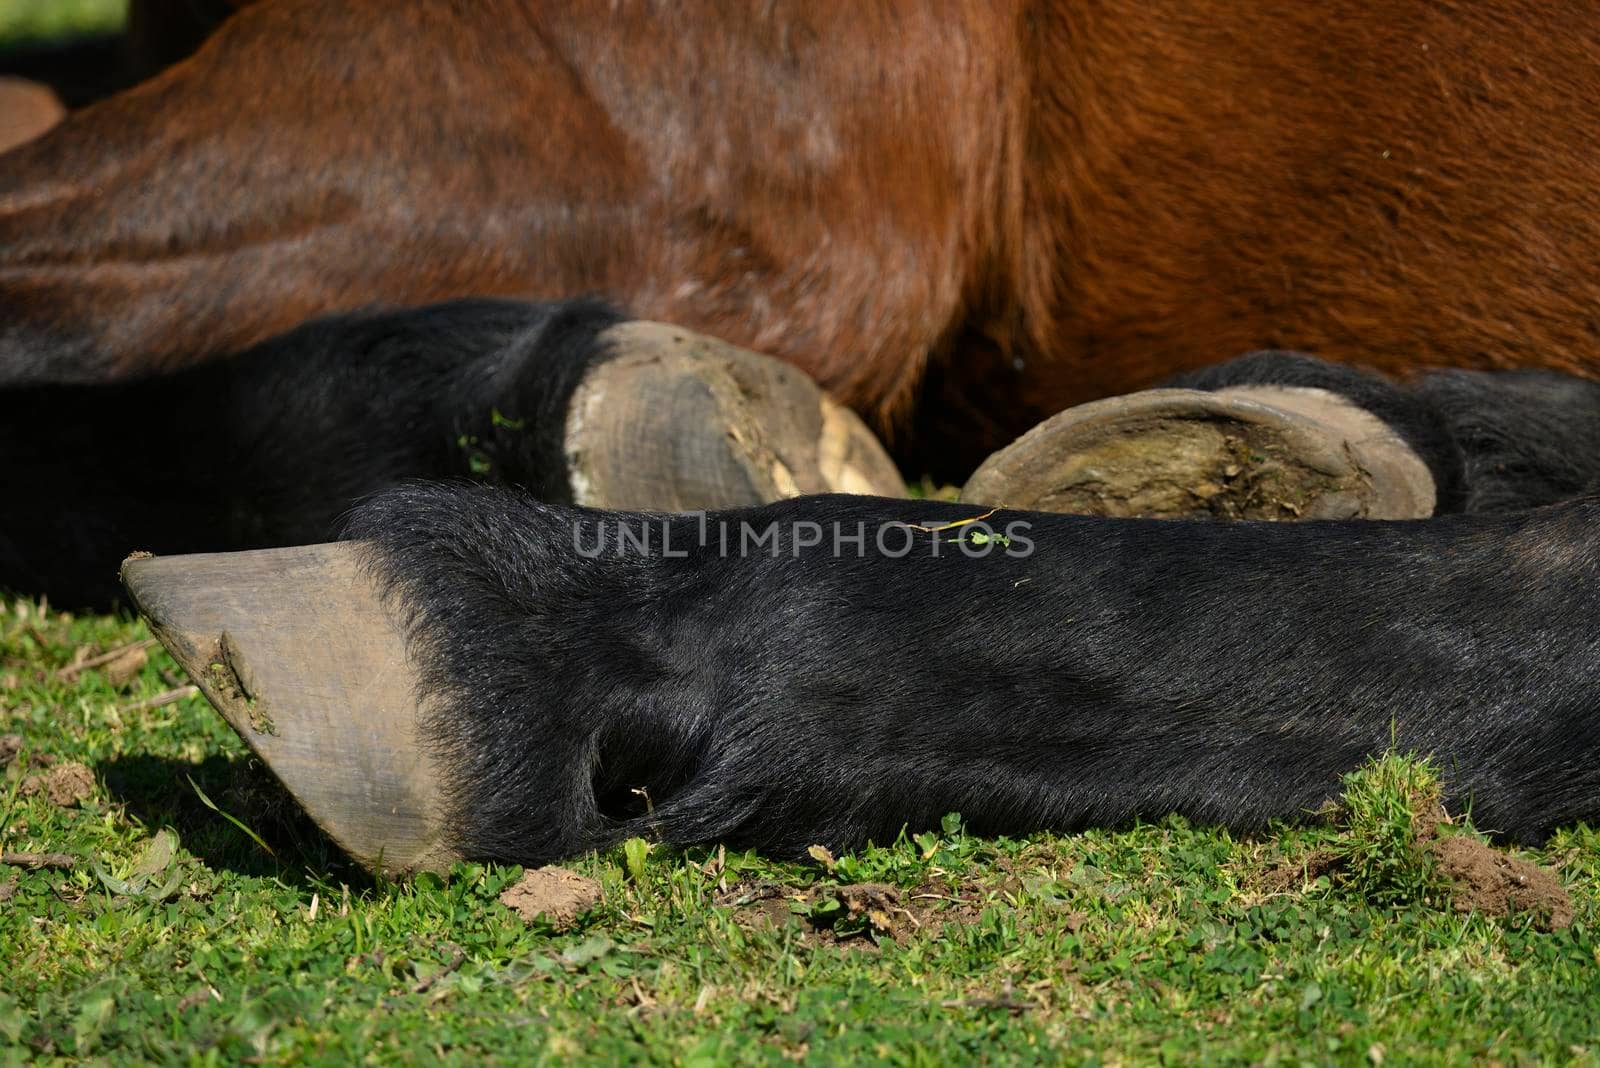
(1483, 879)
(64, 785)
(1173, 455)
(1197, 470)
(1275, 453)
(560, 896)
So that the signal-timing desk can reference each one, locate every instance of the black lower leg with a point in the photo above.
(1527, 438)
(832, 669)
(273, 447)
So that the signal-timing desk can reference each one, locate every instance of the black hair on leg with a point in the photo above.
(1528, 438)
(274, 445)
(800, 689)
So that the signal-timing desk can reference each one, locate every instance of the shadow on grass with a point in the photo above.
(156, 790)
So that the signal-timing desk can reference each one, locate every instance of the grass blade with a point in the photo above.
(212, 805)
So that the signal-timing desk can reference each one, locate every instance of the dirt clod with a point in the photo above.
(126, 666)
(64, 785)
(558, 895)
(1486, 880)
(10, 746)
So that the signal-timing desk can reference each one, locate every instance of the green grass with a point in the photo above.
(1389, 807)
(1159, 943)
(38, 19)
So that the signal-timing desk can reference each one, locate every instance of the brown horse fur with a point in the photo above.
(998, 207)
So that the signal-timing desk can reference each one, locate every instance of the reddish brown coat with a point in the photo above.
(1042, 202)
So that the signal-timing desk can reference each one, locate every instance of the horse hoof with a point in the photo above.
(678, 421)
(295, 650)
(1243, 453)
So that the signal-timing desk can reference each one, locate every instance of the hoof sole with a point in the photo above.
(1276, 453)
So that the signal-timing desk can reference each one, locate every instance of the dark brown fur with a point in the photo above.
(1002, 207)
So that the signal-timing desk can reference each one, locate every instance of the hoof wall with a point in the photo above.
(295, 651)
(677, 421)
(27, 110)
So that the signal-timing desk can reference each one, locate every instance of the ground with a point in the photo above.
(166, 904)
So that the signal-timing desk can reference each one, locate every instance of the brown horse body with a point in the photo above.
(998, 208)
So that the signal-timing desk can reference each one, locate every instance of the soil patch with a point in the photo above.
(856, 915)
(560, 896)
(1288, 874)
(64, 785)
(1483, 879)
